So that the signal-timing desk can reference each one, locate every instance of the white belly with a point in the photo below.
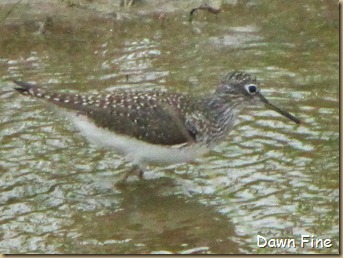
(136, 151)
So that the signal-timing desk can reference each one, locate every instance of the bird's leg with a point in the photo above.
(141, 174)
(134, 170)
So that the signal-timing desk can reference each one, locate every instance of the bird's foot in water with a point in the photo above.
(135, 170)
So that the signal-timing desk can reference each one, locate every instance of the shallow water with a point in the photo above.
(270, 177)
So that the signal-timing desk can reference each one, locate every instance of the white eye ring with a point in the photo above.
(251, 88)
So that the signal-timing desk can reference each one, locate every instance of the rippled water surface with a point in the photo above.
(270, 177)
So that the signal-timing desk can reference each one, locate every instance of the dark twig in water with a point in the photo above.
(203, 7)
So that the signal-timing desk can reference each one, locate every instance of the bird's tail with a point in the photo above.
(26, 88)
(66, 100)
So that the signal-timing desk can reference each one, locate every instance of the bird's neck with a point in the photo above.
(223, 113)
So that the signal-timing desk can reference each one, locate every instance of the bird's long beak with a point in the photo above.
(275, 108)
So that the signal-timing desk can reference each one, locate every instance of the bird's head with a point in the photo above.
(239, 88)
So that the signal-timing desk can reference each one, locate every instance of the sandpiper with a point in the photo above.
(158, 127)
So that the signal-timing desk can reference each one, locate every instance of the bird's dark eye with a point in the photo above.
(251, 88)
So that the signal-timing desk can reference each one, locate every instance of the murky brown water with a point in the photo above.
(270, 177)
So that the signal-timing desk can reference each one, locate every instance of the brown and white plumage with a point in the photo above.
(151, 127)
